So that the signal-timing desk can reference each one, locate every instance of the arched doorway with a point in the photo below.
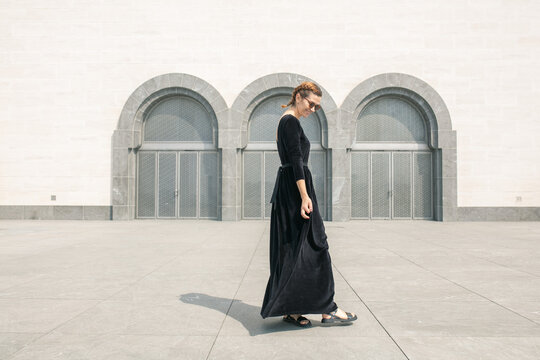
(178, 161)
(391, 162)
(260, 159)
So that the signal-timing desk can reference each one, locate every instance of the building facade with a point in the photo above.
(121, 112)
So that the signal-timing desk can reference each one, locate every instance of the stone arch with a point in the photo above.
(272, 85)
(257, 92)
(442, 139)
(127, 138)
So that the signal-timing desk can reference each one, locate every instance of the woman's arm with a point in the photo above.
(307, 206)
(292, 145)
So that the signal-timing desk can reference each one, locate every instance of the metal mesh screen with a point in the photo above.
(187, 191)
(390, 119)
(422, 185)
(317, 165)
(380, 185)
(146, 201)
(179, 118)
(360, 185)
(252, 184)
(208, 184)
(271, 165)
(167, 185)
(312, 128)
(402, 184)
(265, 118)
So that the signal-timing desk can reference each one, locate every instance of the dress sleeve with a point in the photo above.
(293, 130)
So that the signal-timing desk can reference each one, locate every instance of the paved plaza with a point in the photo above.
(422, 290)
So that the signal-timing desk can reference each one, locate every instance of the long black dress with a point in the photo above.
(301, 279)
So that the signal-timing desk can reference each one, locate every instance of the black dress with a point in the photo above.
(301, 279)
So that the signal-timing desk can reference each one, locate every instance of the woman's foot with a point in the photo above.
(338, 316)
(298, 320)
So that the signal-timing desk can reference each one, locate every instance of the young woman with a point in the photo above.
(301, 279)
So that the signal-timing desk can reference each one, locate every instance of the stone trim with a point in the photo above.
(127, 138)
(55, 212)
(441, 139)
(45, 212)
(498, 214)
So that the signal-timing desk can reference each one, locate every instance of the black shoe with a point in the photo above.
(297, 321)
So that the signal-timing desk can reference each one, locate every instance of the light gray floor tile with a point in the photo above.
(168, 286)
(10, 343)
(68, 286)
(157, 288)
(451, 318)
(244, 319)
(468, 348)
(305, 347)
(506, 290)
(117, 347)
(528, 309)
(406, 290)
(38, 315)
(192, 314)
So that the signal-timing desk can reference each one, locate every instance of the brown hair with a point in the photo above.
(304, 89)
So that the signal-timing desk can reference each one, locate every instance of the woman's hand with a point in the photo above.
(306, 208)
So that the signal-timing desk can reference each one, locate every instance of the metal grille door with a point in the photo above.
(179, 184)
(253, 161)
(317, 165)
(188, 189)
(260, 169)
(167, 185)
(402, 188)
(208, 185)
(360, 175)
(422, 186)
(146, 198)
(380, 185)
(271, 164)
(396, 185)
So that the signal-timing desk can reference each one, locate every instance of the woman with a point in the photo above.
(301, 280)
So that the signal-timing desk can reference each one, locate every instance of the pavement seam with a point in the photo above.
(463, 287)
(467, 289)
(372, 314)
(236, 292)
(95, 305)
(453, 282)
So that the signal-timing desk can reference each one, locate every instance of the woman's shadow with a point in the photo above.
(248, 315)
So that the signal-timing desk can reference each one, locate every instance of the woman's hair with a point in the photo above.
(304, 89)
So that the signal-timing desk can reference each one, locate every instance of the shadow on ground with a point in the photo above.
(247, 315)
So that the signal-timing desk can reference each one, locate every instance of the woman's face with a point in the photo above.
(308, 105)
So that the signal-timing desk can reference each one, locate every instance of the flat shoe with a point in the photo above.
(298, 321)
(335, 319)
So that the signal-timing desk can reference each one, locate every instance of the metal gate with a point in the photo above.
(177, 184)
(391, 185)
(260, 160)
(260, 169)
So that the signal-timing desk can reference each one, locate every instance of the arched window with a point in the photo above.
(178, 161)
(391, 163)
(261, 159)
(390, 119)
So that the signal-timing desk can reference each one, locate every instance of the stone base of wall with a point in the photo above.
(30, 212)
(498, 214)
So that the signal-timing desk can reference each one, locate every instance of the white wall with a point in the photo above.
(67, 67)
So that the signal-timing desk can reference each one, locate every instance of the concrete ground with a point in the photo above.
(193, 290)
